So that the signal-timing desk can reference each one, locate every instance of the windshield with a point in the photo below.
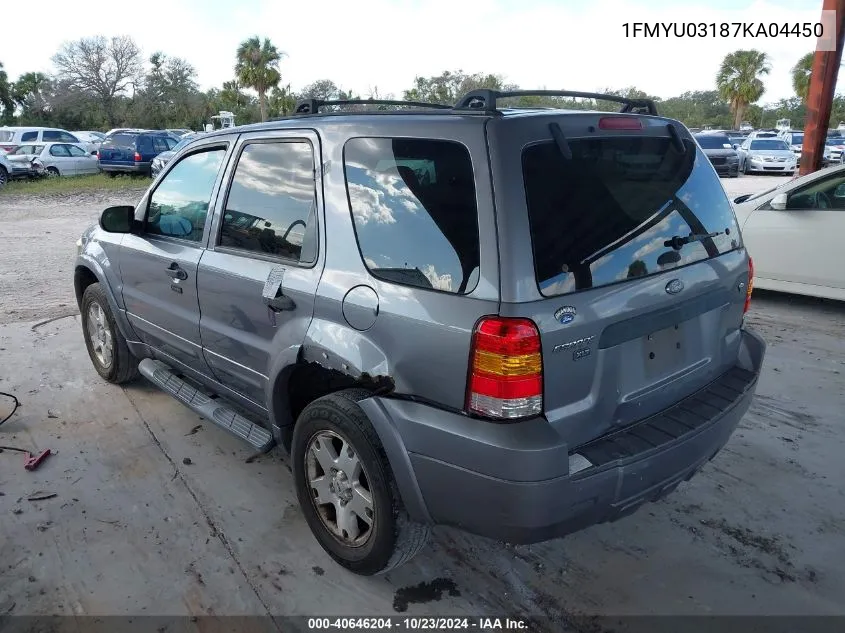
(770, 145)
(834, 142)
(605, 215)
(714, 141)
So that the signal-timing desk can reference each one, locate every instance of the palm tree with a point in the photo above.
(801, 76)
(7, 104)
(257, 67)
(739, 80)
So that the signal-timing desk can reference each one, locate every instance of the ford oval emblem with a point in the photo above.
(565, 315)
(674, 286)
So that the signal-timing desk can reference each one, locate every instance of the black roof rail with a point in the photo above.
(312, 106)
(486, 99)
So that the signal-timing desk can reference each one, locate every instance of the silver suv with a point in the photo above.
(521, 322)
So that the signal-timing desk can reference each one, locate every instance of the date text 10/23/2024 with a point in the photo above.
(418, 624)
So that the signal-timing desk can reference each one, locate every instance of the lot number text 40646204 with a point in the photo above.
(422, 623)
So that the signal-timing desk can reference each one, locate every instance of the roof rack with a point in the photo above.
(312, 106)
(486, 99)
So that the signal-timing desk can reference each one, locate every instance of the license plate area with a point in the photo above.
(664, 351)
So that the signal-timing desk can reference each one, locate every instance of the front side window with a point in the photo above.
(827, 194)
(271, 206)
(52, 135)
(159, 144)
(179, 205)
(414, 208)
(59, 150)
(611, 212)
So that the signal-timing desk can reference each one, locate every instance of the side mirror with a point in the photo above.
(118, 219)
(778, 202)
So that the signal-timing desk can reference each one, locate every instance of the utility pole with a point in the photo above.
(820, 94)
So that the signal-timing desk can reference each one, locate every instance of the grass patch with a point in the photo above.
(63, 185)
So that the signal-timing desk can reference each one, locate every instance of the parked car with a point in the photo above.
(12, 137)
(719, 150)
(123, 130)
(417, 309)
(766, 155)
(92, 139)
(58, 159)
(836, 146)
(6, 169)
(795, 232)
(764, 134)
(795, 140)
(162, 159)
(133, 152)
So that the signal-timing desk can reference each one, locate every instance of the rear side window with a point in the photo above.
(271, 207)
(606, 215)
(59, 150)
(29, 136)
(414, 208)
(125, 141)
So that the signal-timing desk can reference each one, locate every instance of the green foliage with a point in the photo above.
(801, 76)
(73, 184)
(449, 86)
(738, 80)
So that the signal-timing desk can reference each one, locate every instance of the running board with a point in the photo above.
(164, 378)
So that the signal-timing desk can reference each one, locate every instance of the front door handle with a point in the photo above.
(176, 271)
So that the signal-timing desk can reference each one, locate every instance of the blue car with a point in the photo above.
(133, 152)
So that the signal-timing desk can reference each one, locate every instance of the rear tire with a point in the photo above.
(4, 177)
(335, 425)
(106, 346)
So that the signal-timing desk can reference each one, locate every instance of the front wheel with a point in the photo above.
(106, 346)
(346, 488)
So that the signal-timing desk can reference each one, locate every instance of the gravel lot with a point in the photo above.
(134, 530)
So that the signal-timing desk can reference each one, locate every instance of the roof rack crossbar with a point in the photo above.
(486, 99)
(312, 106)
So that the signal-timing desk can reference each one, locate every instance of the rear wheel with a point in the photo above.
(745, 169)
(106, 346)
(346, 488)
(4, 177)
(53, 172)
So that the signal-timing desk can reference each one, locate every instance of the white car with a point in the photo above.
(59, 159)
(13, 137)
(794, 234)
(91, 139)
(766, 155)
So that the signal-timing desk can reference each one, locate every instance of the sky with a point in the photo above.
(384, 44)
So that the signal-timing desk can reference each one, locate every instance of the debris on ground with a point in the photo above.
(187, 461)
(194, 430)
(41, 496)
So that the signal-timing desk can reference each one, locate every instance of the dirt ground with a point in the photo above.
(134, 529)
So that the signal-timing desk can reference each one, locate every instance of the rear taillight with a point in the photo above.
(750, 287)
(620, 123)
(137, 157)
(98, 154)
(505, 369)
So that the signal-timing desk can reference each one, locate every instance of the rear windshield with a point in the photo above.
(769, 144)
(6, 135)
(605, 215)
(121, 140)
(714, 141)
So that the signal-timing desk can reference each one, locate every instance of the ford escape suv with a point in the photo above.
(519, 322)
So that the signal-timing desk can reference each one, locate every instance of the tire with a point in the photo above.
(117, 365)
(391, 539)
(53, 172)
(734, 174)
(4, 177)
(745, 169)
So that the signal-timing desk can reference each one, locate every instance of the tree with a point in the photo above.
(324, 90)
(257, 67)
(801, 72)
(281, 101)
(31, 92)
(6, 100)
(102, 68)
(170, 96)
(738, 80)
(449, 86)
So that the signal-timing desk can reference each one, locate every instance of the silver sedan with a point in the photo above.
(59, 159)
(766, 155)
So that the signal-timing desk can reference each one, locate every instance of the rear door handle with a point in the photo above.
(176, 271)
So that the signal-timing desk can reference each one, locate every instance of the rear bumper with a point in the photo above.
(512, 482)
(134, 168)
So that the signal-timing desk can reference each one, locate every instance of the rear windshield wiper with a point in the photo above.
(678, 241)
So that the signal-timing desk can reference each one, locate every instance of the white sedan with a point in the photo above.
(794, 234)
(59, 159)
